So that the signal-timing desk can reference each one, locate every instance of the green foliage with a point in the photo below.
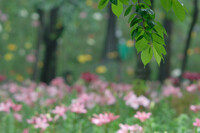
(148, 33)
(117, 9)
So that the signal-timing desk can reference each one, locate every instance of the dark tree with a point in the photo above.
(111, 39)
(188, 42)
(53, 31)
(165, 66)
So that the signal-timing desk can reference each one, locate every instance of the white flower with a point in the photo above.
(35, 16)
(23, 13)
(176, 73)
(97, 16)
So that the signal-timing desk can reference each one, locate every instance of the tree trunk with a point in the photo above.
(188, 42)
(111, 39)
(166, 65)
(51, 35)
(141, 72)
(38, 44)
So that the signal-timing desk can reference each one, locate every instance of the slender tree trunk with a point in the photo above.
(38, 44)
(111, 39)
(51, 35)
(141, 72)
(166, 65)
(188, 42)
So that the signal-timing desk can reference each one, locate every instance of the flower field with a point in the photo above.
(92, 105)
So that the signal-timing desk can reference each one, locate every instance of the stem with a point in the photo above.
(141, 16)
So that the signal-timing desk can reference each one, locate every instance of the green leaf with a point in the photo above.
(103, 4)
(131, 17)
(157, 38)
(115, 2)
(141, 45)
(128, 10)
(134, 1)
(179, 9)
(160, 49)
(135, 21)
(146, 55)
(148, 2)
(157, 56)
(125, 2)
(117, 9)
(167, 4)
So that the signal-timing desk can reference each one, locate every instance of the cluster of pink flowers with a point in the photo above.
(124, 128)
(195, 108)
(142, 116)
(171, 90)
(133, 101)
(78, 108)
(7, 106)
(196, 123)
(103, 119)
(60, 111)
(192, 88)
(40, 122)
(191, 76)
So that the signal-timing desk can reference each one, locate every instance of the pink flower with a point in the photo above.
(40, 121)
(78, 108)
(191, 88)
(16, 107)
(89, 77)
(5, 107)
(196, 123)
(171, 91)
(18, 117)
(60, 112)
(195, 108)
(124, 128)
(133, 101)
(103, 119)
(83, 15)
(142, 116)
(2, 78)
(25, 131)
(30, 58)
(191, 76)
(57, 81)
(109, 98)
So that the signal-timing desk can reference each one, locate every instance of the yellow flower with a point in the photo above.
(190, 52)
(129, 43)
(84, 58)
(81, 59)
(101, 69)
(12, 47)
(28, 45)
(112, 55)
(88, 57)
(8, 56)
(89, 2)
(19, 78)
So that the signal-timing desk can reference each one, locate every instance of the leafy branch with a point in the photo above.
(148, 33)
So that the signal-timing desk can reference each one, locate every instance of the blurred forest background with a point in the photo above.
(41, 40)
